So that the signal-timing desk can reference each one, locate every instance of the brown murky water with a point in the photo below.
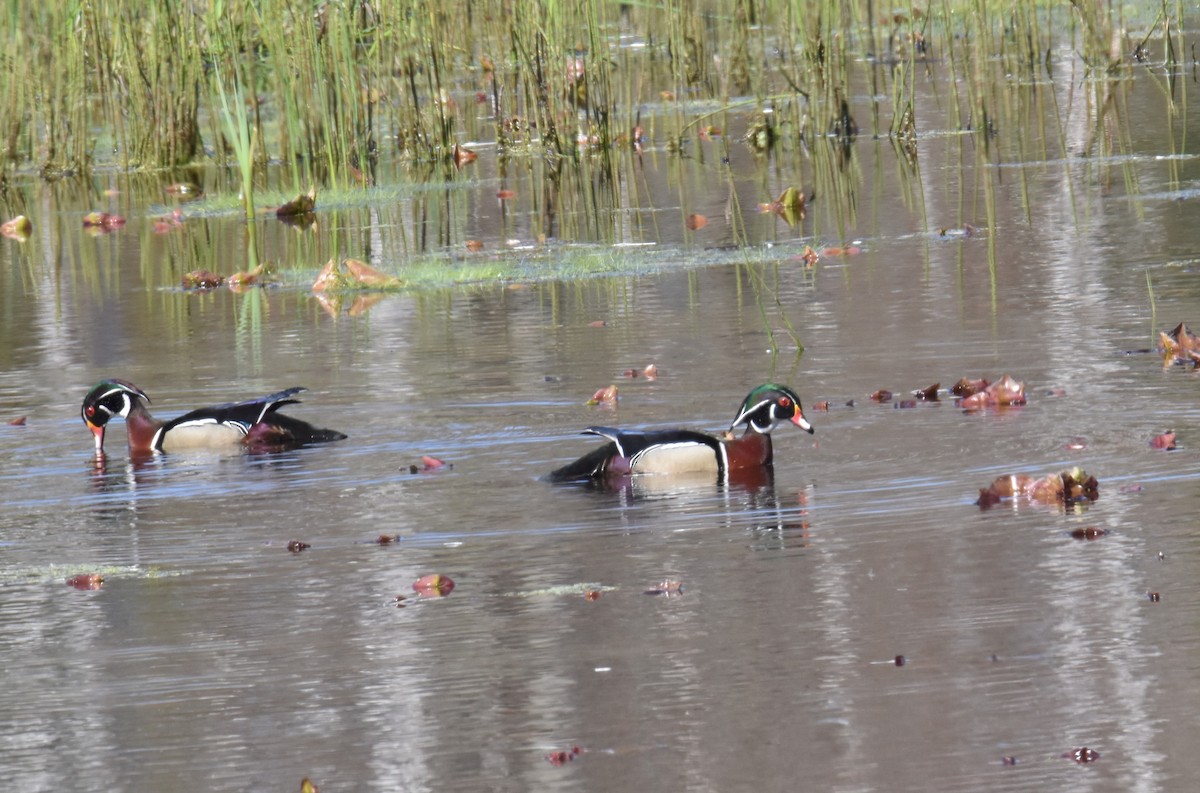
(214, 658)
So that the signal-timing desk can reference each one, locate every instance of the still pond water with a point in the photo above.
(213, 658)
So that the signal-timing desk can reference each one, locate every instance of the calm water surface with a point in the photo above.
(213, 658)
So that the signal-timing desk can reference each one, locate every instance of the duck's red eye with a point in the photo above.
(91, 410)
(784, 402)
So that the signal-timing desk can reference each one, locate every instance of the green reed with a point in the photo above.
(329, 95)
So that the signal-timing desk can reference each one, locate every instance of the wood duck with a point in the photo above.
(253, 423)
(678, 451)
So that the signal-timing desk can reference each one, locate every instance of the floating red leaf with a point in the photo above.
(474, 246)
(86, 581)
(19, 421)
(821, 406)
(591, 594)
(1164, 441)
(696, 222)
(433, 464)
(882, 395)
(605, 396)
(1084, 755)
(505, 195)
(433, 585)
(564, 756)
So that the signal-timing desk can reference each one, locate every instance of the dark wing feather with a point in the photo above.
(247, 413)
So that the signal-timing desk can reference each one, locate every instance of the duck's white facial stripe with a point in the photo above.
(742, 416)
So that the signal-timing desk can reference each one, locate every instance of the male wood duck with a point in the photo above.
(255, 423)
(680, 451)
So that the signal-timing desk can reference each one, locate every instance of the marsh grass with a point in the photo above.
(571, 98)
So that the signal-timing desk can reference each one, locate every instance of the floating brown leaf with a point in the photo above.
(810, 257)
(86, 581)
(882, 395)
(474, 246)
(202, 279)
(19, 228)
(1005, 392)
(462, 156)
(605, 396)
(696, 222)
(929, 394)
(505, 195)
(1067, 487)
(296, 546)
(243, 280)
(327, 279)
(302, 204)
(965, 387)
(1180, 345)
(433, 585)
(671, 587)
(352, 274)
(19, 421)
(650, 372)
(1164, 441)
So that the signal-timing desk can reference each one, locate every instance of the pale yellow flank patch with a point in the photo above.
(677, 458)
(200, 436)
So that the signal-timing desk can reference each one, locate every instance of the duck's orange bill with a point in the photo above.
(98, 431)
